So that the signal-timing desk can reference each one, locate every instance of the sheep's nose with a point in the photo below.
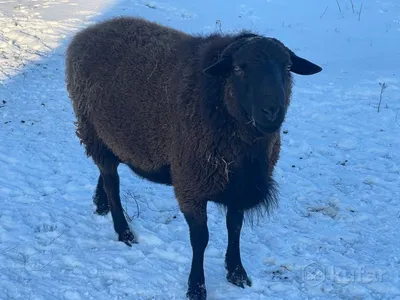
(271, 112)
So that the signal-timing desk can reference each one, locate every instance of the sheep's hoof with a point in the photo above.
(239, 277)
(196, 293)
(127, 237)
(102, 210)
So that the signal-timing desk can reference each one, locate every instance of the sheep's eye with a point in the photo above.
(289, 67)
(238, 70)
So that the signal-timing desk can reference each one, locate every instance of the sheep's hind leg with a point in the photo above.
(236, 274)
(100, 198)
(110, 179)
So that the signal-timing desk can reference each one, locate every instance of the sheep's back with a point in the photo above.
(118, 76)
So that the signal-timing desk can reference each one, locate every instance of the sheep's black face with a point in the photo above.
(258, 72)
(260, 83)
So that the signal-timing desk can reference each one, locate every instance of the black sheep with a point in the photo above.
(200, 113)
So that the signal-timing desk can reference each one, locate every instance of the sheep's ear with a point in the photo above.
(220, 68)
(302, 66)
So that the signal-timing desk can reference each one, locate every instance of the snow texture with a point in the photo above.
(334, 234)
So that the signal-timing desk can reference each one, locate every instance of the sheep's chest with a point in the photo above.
(248, 184)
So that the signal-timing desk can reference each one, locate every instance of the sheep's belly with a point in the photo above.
(161, 175)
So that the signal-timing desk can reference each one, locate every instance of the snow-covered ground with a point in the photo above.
(334, 235)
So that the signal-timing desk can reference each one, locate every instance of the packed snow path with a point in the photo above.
(336, 233)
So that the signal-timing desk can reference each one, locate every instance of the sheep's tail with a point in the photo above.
(79, 89)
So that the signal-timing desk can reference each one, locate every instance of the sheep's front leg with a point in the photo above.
(196, 217)
(236, 274)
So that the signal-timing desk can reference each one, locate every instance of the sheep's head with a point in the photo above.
(258, 81)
